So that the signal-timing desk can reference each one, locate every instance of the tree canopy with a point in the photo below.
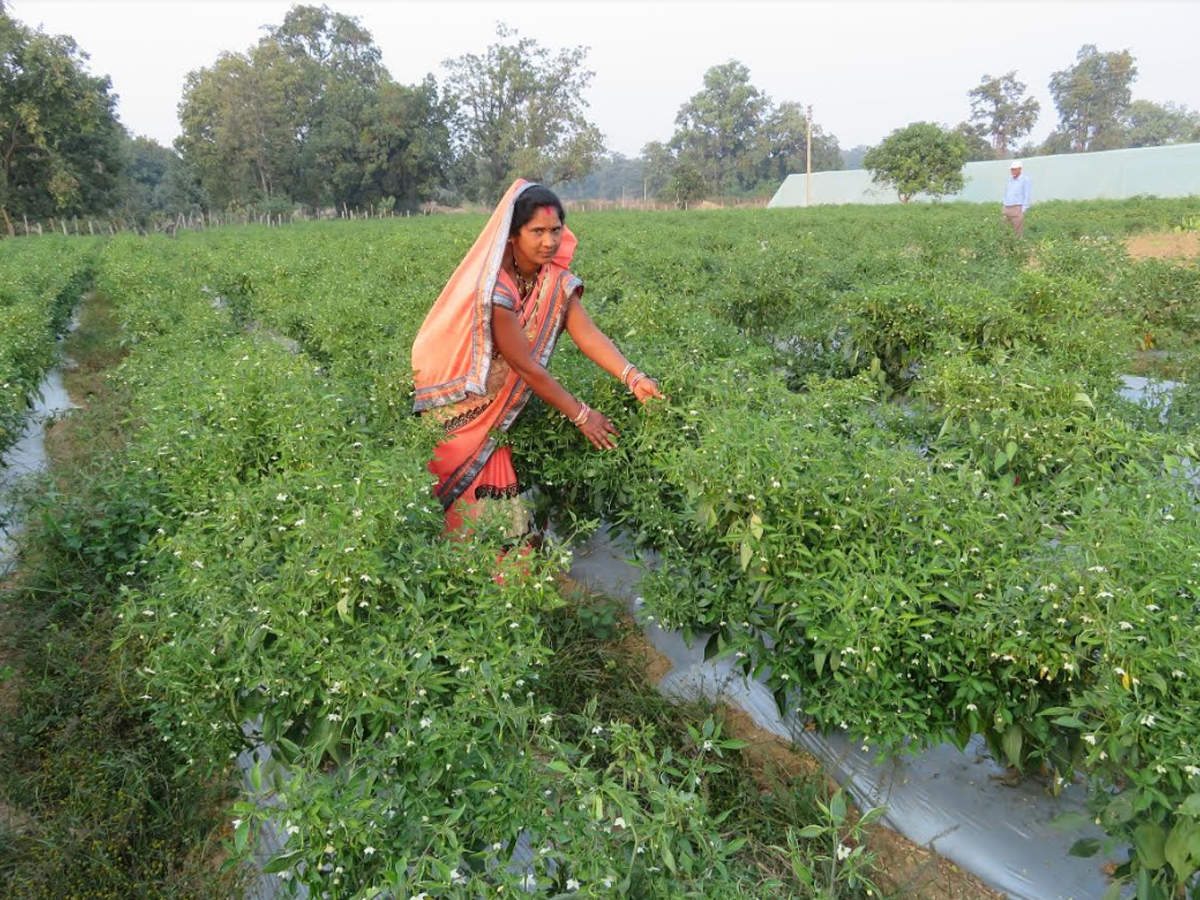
(922, 158)
(1149, 124)
(59, 136)
(731, 138)
(520, 110)
(1001, 111)
(1093, 97)
(309, 115)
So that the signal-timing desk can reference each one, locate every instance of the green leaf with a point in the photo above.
(1149, 840)
(1191, 806)
(1177, 851)
(809, 832)
(1085, 847)
(712, 646)
(1118, 811)
(283, 862)
(747, 554)
(1068, 722)
(837, 807)
(1012, 742)
(819, 660)
(1070, 821)
(669, 859)
(241, 835)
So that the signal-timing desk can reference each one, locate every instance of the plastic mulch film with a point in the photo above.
(960, 804)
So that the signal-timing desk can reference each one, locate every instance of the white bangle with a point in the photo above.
(581, 417)
(625, 372)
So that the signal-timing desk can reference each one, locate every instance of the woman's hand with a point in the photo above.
(598, 429)
(646, 388)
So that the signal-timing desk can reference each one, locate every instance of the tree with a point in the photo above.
(975, 139)
(686, 184)
(782, 144)
(309, 115)
(521, 112)
(1149, 124)
(616, 177)
(1093, 98)
(921, 158)
(406, 145)
(1001, 112)
(657, 164)
(717, 130)
(852, 158)
(155, 183)
(241, 125)
(59, 136)
(335, 89)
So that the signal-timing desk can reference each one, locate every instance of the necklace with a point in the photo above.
(524, 284)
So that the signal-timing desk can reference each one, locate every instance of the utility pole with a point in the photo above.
(808, 156)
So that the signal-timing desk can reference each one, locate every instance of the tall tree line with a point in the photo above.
(309, 117)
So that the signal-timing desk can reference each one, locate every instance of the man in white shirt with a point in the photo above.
(1018, 197)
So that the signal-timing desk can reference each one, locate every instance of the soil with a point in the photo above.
(1178, 245)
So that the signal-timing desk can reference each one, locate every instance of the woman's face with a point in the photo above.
(538, 240)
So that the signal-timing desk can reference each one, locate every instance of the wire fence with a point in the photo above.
(200, 220)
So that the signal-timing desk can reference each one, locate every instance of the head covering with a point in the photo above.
(453, 348)
(1015, 164)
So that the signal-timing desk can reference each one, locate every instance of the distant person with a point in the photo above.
(1018, 197)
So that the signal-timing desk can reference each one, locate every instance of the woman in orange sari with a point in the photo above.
(484, 346)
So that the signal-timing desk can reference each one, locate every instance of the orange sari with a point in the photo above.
(458, 373)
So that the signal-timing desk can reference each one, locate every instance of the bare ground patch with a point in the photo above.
(1180, 245)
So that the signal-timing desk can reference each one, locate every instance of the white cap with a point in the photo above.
(1015, 164)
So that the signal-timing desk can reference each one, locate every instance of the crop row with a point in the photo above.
(894, 478)
(40, 282)
(281, 560)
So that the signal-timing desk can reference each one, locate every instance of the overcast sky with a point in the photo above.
(866, 68)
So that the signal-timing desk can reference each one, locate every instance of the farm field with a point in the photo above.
(895, 475)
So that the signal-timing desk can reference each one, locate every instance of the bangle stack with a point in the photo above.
(581, 417)
(638, 375)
